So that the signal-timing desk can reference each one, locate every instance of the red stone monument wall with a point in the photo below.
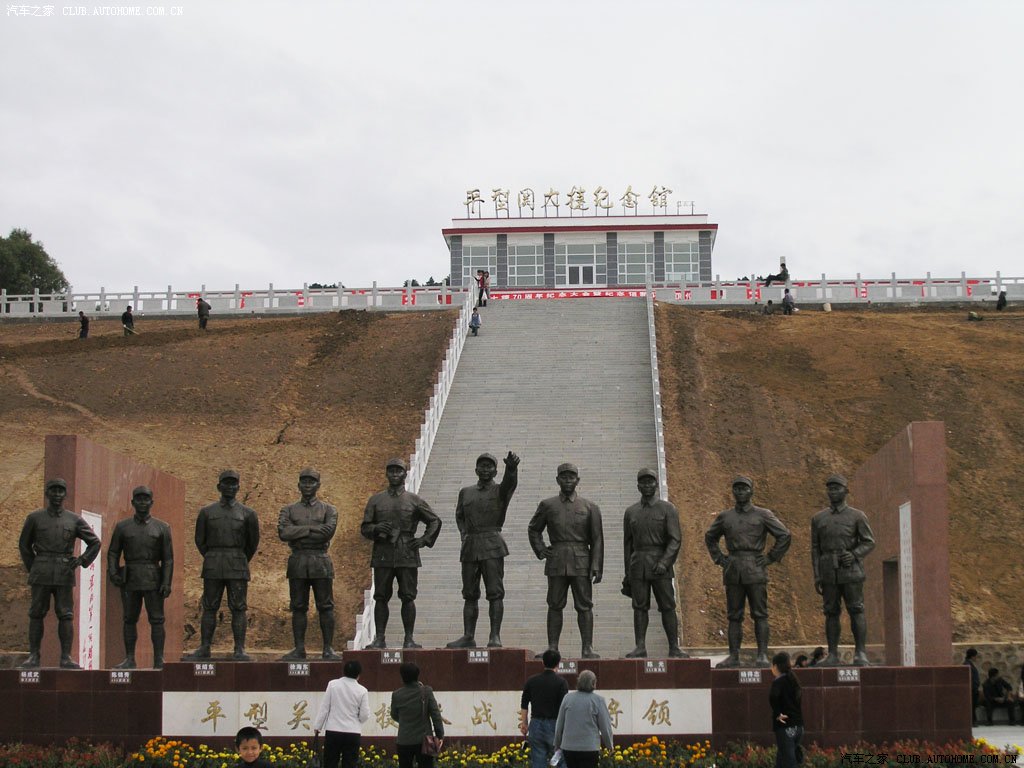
(907, 590)
(101, 481)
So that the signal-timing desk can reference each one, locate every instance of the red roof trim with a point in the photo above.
(516, 230)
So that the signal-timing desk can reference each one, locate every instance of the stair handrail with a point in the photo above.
(418, 461)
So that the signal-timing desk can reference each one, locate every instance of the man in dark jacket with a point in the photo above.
(203, 308)
(650, 544)
(840, 540)
(575, 558)
(227, 536)
(146, 575)
(390, 521)
(745, 568)
(47, 547)
(480, 515)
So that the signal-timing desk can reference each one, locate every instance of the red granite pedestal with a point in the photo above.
(675, 699)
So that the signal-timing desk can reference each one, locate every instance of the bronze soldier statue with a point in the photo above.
(480, 515)
(390, 521)
(575, 557)
(227, 536)
(650, 544)
(146, 575)
(308, 526)
(47, 547)
(840, 540)
(745, 568)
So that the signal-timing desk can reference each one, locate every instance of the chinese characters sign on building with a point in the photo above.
(577, 201)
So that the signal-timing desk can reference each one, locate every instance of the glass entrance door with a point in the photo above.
(581, 274)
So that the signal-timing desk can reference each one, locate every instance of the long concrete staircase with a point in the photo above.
(553, 381)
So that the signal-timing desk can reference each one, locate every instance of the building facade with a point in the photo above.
(581, 252)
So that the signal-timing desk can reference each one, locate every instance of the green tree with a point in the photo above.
(25, 266)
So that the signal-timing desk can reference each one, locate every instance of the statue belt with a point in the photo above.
(490, 529)
(656, 548)
(746, 552)
(149, 561)
(318, 550)
(54, 556)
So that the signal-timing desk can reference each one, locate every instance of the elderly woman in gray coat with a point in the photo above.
(584, 724)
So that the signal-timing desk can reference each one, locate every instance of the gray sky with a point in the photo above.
(252, 142)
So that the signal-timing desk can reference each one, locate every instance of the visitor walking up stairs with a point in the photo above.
(553, 381)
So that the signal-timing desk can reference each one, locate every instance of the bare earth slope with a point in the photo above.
(788, 400)
(341, 392)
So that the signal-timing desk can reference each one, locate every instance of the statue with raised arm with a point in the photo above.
(480, 515)
(308, 526)
(47, 547)
(390, 521)
(573, 560)
(145, 576)
(840, 540)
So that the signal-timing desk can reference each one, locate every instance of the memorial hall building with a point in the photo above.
(581, 251)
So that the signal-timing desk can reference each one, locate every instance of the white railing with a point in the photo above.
(717, 292)
(860, 290)
(238, 301)
(659, 426)
(418, 461)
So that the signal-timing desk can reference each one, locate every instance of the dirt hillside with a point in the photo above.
(789, 400)
(786, 400)
(342, 392)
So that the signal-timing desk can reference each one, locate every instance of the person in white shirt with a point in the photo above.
(345, 707)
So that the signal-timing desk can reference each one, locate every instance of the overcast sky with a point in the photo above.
(251, 142)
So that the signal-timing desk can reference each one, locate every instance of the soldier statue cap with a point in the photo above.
(397, 463)
(645, 472)
(56, 481)
(228, 474)
(567, 467)
(838, 480)
(309, 472)
(743, 480)
(487, 457)
(142, 490)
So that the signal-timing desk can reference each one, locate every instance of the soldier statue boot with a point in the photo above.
(470, 613)
(496, 613)
(735, 640)
(298, 651)
(35, 640)
(327, 631)
(859, 626)
(832, 639)
(158, 634)
(761, 634)
(409, 625)
(640, 620)
(554, 628)
(670, 622)
(131, 636)
(238, 633)
(586, 624)
(65, 631)
(207, 624)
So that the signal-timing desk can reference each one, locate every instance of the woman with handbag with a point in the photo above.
(420, 728)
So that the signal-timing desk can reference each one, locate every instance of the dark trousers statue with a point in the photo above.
(132, 602)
